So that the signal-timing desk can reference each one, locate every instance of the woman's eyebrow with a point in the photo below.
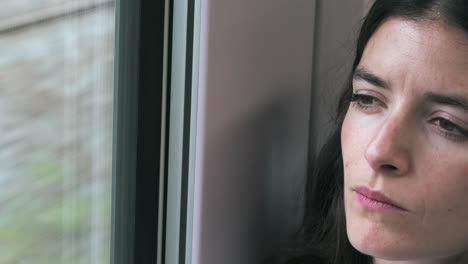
(450, 100)
(361, 73)
(364, 74)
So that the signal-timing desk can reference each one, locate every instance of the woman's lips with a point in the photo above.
(376, 200)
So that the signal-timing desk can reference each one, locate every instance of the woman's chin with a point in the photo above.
(375, 241)
(379, 251)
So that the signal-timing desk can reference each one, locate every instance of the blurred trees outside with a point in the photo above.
(56, 107)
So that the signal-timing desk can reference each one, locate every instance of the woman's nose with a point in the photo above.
(388, 153)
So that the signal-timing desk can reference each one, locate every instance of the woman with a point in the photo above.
(391, 184)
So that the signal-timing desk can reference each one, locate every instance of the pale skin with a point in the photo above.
(403, 138)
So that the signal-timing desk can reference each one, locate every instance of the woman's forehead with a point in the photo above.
(431, 39)
(425, 52)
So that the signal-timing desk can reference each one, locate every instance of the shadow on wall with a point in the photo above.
(254, 185)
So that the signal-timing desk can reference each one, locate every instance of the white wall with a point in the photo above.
(255, 78)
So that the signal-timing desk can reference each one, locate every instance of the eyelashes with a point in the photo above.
(369, 104)
(365, 102)
(449, 130)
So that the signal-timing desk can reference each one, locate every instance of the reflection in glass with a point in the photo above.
(56, 96)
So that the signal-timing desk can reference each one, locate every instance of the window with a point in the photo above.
(56, 118)
(85, 115)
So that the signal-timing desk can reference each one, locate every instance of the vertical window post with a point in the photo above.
(138, 129)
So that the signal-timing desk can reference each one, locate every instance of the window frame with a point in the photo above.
(139, 128)
(156, 79)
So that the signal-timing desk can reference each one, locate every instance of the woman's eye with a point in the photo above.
(450, 130)
(447, 125)
(363, 101)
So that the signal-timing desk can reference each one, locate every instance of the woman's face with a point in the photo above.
(405, 144)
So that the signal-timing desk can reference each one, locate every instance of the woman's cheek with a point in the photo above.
(447, 191)
(351, 146)
(346, 134)
(444, 181)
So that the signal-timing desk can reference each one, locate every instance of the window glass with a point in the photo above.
(14, 8)
(56, 107)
